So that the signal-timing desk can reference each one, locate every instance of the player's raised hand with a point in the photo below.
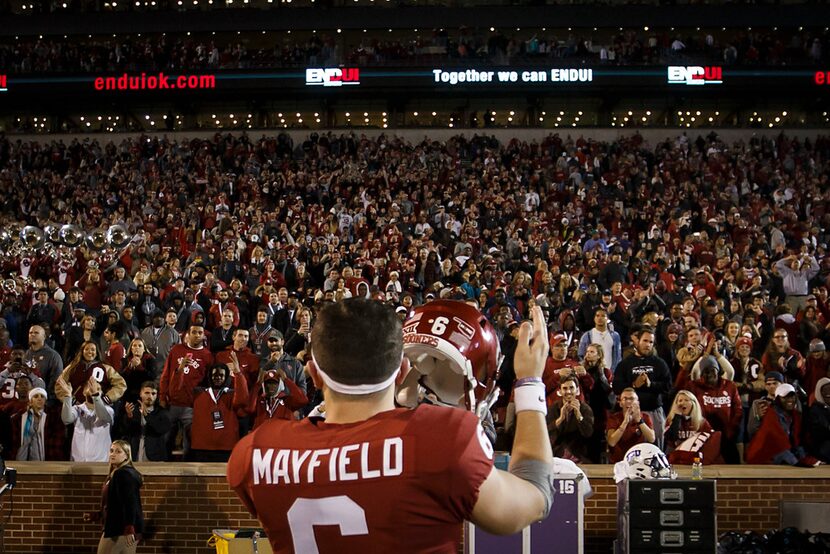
(532, 348)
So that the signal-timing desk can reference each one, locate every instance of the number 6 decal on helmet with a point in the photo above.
(455, 355)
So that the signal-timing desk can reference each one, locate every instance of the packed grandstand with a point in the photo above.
(696, 238)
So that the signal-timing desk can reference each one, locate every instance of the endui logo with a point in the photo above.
(332, 76)
(155, 82)
(3, 86)
(695, 75)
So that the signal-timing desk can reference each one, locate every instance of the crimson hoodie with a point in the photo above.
(176, 386)
(721, 405)
(282, 407)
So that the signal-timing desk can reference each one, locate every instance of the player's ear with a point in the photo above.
(311, 369)
(403, 371)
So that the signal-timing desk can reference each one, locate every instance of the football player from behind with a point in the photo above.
(376, 478)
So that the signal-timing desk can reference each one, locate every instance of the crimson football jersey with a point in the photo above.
(401, 481)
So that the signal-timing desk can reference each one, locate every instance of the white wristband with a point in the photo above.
(530, 398)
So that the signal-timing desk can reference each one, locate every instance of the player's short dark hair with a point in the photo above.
(357, 341)
(149, 385)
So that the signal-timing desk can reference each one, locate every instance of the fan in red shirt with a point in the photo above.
(375, 478)
(248, 361)
(627, 427)
(216, 412)
(279, 398)
(183, 371)
(559, 366)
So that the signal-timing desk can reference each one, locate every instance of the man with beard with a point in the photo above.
(277, 358)
(648, 375)
(146, 425)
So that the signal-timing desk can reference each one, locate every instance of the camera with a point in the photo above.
(7, 474)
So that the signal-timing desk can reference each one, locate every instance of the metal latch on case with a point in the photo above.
(671, 496)
(671, 538)
(671, 518)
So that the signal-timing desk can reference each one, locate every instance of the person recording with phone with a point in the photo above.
(760, 406)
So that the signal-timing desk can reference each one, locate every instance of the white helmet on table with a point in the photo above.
(646, 461)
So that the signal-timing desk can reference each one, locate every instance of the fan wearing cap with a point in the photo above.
(706, 283)
(278, 398)
(819, 420)
(778, 440)
(277, 358)
(43, 311)
(721, 405)
(818, 364)
(37, 433)
(760, 406)
(559, 365)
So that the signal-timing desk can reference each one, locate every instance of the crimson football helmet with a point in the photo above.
(455, 356)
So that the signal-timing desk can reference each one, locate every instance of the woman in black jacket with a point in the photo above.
(121, 511)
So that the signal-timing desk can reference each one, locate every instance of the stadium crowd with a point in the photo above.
(685, 283)
(252, 50)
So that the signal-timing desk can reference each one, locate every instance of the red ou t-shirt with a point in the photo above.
(631, 436)
(401, 481)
